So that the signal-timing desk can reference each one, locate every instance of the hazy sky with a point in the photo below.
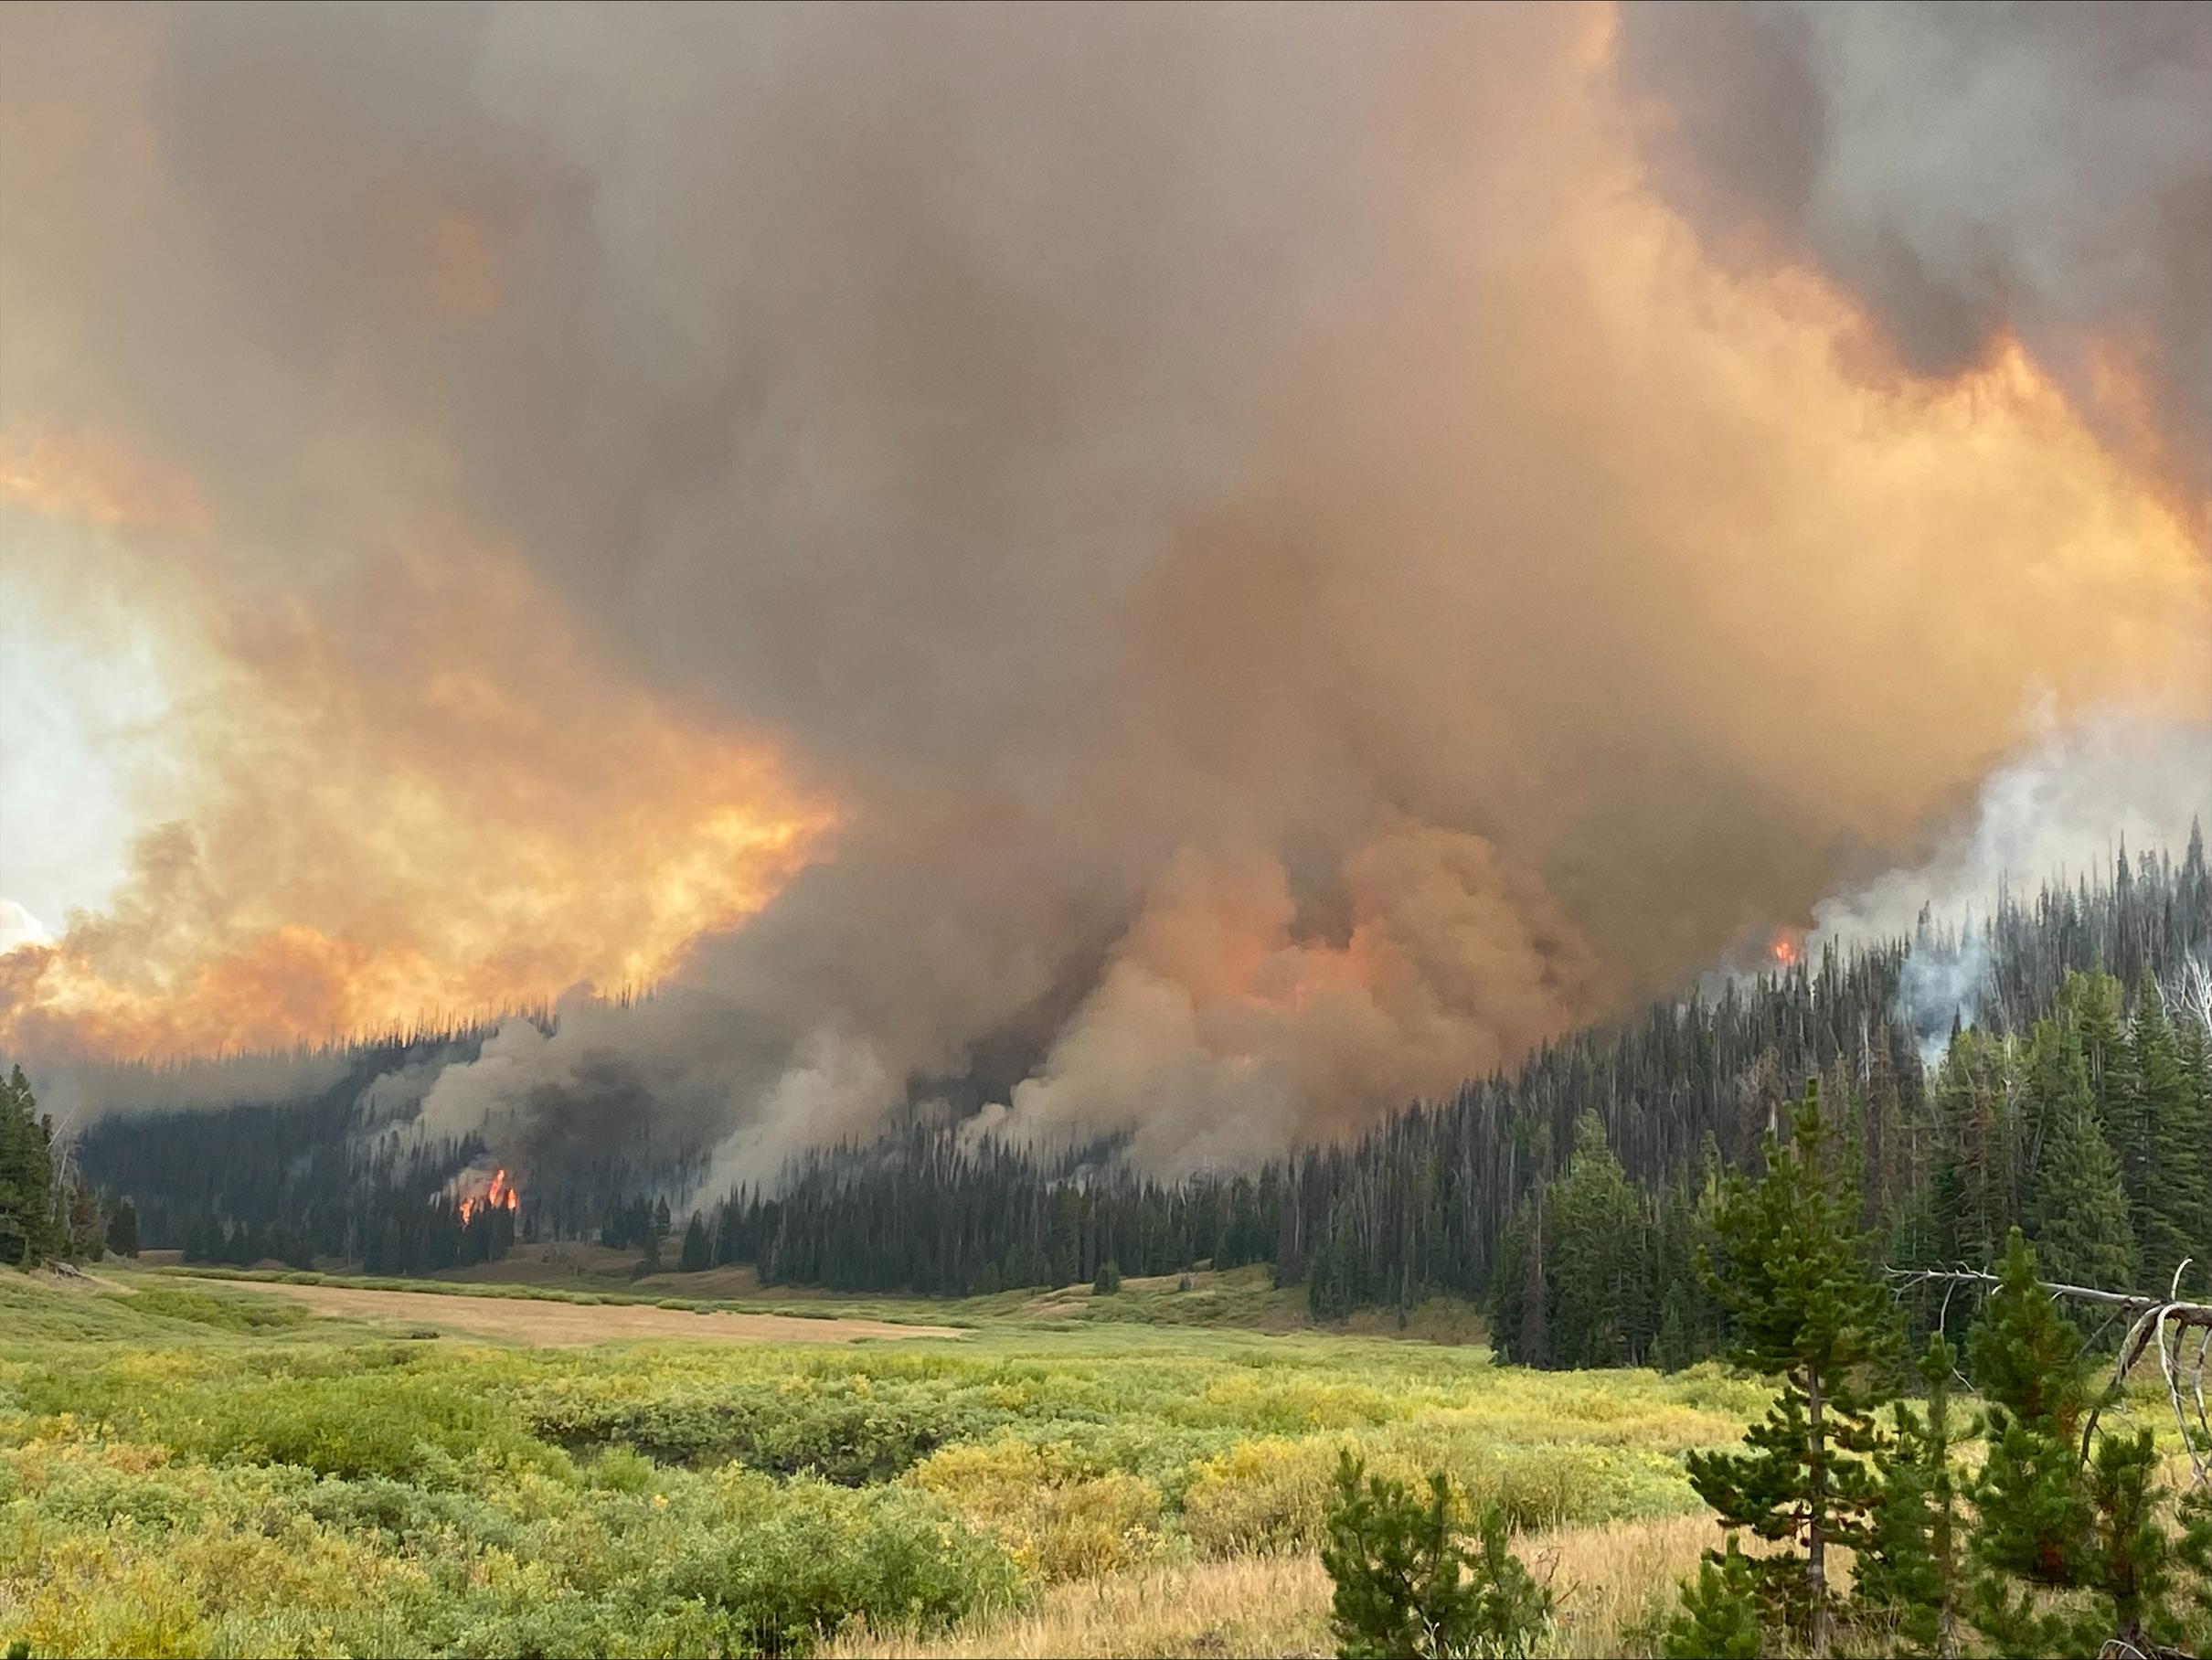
(1205, 569)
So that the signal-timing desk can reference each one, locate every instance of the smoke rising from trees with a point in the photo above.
(1308, 554)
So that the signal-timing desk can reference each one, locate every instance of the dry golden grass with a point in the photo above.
(1255, 1605)
(542, 1323)
(1608, 1580)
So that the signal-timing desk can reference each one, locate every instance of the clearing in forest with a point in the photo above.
(548, 1324)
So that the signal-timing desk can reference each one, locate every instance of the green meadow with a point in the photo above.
(190, 1467)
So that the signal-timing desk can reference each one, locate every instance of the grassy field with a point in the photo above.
(200, 1468)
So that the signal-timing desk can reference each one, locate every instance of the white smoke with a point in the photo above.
(2064, 808)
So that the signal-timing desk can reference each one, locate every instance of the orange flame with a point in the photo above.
(1785, 950)
(446, 806)
(499, 1195)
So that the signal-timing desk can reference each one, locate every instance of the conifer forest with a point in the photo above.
(1367, 829)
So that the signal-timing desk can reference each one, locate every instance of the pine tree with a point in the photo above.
(1720, 1616)
(2090, 1002)
(1596, 1225)
(2035, 1521)
(1972, 1197)
(2078, 1208)
(1671, 1348)
(1404, 1583)
(2130, 1562)
(2175, 1193)
(27, 1176)
(122, 1229)
(697, 1254)
(1796, 1275)
(2194, 1550)
(1910, 1573)
(2196, 1042)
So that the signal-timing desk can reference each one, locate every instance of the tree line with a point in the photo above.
(49, 1211)
(2055, 1079)
(2066, 1535)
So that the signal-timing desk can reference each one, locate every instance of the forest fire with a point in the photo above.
(1786, 952)
(501, 1195)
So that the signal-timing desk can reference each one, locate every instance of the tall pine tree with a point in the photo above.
(2174, 1198)
(2078, 1208)
(1796, 1275)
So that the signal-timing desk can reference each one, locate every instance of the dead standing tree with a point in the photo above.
(2164, 1324)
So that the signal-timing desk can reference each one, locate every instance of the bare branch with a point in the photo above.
(2153, 1317)
(2181, 1314)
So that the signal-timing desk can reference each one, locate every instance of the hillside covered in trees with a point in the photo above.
(2044, 1065)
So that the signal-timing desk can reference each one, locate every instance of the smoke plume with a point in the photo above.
(1303, 551)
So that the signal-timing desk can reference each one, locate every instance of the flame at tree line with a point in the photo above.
(984, 726)
(500, 1195)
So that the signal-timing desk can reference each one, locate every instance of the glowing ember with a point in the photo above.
(499, 1195)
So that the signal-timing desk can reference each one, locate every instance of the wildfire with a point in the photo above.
(500, 1195)
(453, 804)
(1785, 951)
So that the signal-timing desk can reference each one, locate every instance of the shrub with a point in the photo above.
(842, 1433)
(1060, 1520)
(821, 1555)
(1261, 1497)
(245, 1313)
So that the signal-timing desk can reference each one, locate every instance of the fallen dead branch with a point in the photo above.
(2163, 1323)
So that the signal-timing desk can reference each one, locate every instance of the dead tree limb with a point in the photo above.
(2165, 1322)
(2180, 1314)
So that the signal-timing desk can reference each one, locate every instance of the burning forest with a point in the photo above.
(1346, 672)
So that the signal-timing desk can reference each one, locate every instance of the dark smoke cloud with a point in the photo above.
(1975, 173)
(1303, 581)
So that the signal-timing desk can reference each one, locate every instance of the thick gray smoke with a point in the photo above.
(1974, 173)
(1303, 580)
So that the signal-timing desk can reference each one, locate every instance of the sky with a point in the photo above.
(1201, 573)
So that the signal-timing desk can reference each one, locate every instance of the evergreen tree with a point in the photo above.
(1107, 1280)
(1719, 1615)
(1973, 1187)
(1909, 1574)
(1596, 1227)
(2192, 1549)
(1533, 1346)
(2174, 1194)
(697, 1254)
(2079, 1210)
(122, 1229)
(2090, 1004)
(2034, 1506)
(1795, 1274)
(27, 1176)
(1671, 1348)
(1406, 1585)
(2130, 1562)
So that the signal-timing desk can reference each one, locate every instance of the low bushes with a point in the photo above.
(841, 1434)
(1060, 1519)
(177, 1478)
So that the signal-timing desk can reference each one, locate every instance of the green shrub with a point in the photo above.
(244, 1313)
(842, 1435)
(823, 1554)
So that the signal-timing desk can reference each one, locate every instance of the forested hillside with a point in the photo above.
(2044, 1065)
